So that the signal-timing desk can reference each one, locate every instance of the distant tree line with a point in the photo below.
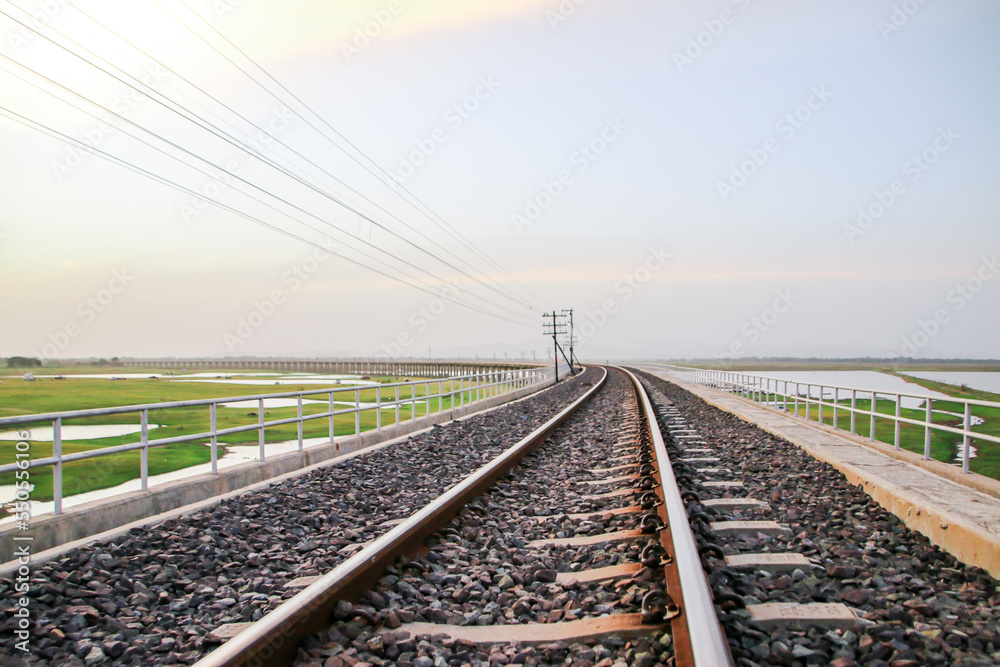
(23, 362)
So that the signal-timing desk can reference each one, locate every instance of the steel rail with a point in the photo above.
(703, 643)
(274, 639)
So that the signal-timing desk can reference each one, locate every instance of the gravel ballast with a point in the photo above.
(150, 596)
(918, 605)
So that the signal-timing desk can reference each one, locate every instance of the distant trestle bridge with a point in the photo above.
(425, 368)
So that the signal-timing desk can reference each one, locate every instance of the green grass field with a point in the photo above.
(944, 446)
(18, 397)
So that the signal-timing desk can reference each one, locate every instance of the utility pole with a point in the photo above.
(572, 342)
(555, 329)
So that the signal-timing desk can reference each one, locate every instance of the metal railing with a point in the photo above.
(451, 392)
(776, 394)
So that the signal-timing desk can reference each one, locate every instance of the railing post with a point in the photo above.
(966, 439)
(854, 407)
(260, 427)
(397, 404)
(785, 393)
(57, 485)
(822, 404)
(378, 408)
(213, 429)
(809, 391)
(144, 452)
(331, 424)
(899, 413)
(871, 433)
(357, 412)
(836, 402)
(929, 416)
(301, 444)
(427, 398)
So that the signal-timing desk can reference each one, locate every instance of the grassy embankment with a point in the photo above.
(19, 398)
(944, 446)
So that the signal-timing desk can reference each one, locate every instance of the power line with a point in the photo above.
(205, 125)
(23, 120)
(508, 295)
(395, 184)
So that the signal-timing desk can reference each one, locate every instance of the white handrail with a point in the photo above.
(749, 386)
(484, 383)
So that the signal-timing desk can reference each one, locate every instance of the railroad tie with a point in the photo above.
(749, 528)
(601, 471)
(612, 494)
(733, 503)
(770, 562)
(723, 485)
(817, 614)
(587, 540)
(610, 480)
(593, 515)
(584, 629)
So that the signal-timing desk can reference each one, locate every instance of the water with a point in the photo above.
(270, 403)
(281, 381)
(291, 403)
(69, 432)
(882, 383)
(981, 380)
(233, 455)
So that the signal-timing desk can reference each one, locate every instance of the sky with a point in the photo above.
(413, 178)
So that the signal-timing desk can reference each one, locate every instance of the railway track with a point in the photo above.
(534, 534)
(807, 569)
(571, 545)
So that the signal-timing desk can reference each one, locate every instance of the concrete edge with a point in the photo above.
(102, 520)
(967, 542)
(971, 480)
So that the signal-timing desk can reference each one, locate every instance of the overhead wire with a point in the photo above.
(508, 294)
(393, 183)
(44, 129)
(168, 104)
